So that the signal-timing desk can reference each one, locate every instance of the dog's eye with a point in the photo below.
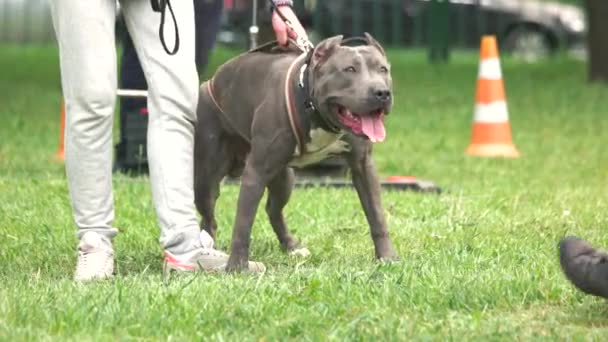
(383, 69)
(350, 69)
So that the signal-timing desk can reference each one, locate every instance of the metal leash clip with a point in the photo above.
(304, 44)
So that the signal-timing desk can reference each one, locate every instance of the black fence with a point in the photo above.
(545, 26)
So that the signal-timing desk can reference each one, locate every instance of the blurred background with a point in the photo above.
(537, 32)
(530, 29)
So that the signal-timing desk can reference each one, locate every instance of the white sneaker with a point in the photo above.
(95, 258)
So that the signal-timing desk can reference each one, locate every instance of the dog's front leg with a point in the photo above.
(252, 189)
(269, 154)
(367, 185)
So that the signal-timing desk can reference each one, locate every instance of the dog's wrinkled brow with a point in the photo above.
(371, 52)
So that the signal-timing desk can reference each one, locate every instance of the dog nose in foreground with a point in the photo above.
(382, 95)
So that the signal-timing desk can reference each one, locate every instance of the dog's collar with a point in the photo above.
(304, 84)
(309, 105)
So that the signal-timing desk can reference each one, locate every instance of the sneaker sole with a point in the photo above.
(170, 263)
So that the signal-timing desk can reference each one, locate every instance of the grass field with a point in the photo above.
(479, 262)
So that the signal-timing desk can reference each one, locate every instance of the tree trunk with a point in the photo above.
(597, 44)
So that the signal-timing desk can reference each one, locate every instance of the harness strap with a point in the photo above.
(294, 121)
(212, 96)
(219, 108)
(292, 111)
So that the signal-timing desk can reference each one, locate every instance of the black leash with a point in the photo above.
(161, 6)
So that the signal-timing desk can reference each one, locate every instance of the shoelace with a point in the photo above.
(88, 264)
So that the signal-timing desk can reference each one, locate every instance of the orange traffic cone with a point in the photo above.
(60, 151)
(491, 136)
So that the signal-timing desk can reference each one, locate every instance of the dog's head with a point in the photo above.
(352, 85)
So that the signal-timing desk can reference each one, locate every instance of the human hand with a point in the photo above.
(282, 31)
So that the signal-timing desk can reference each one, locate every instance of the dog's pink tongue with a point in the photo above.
(373, 127)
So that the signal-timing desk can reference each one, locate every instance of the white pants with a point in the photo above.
(85, 33)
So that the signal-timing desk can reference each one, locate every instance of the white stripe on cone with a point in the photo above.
(490, 69)
(495, 112)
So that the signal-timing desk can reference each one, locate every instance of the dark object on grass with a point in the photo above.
(584, 266)
(391, 183)
(397, 183)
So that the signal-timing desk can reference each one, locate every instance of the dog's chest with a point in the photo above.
(322, 145)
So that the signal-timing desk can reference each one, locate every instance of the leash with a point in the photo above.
(307, 47)
(161, 6)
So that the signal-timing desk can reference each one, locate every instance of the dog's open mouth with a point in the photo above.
(370, 125)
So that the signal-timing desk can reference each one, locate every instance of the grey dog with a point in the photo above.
(273, 108)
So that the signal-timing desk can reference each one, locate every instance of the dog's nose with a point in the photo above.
(383, 95)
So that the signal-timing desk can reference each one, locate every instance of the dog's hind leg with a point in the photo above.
(279, 191)
(212, 161)
(207, 191)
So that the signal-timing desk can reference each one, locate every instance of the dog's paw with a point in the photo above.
(236, 264)
(390, 260)
(242, 265)
(389, 257)
(301, 252)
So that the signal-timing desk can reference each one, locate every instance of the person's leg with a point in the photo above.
(207, 16)
(172, 100)
(85, 34)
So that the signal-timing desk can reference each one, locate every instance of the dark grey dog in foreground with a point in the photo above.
(273, 108)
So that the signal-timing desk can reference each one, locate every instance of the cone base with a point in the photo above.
(493, 150)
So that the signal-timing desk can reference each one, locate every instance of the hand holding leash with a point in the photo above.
(286, 25)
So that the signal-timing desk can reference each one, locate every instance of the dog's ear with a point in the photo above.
(325, 48)
(373, 42)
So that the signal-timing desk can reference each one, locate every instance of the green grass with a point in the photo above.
(479, 262)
